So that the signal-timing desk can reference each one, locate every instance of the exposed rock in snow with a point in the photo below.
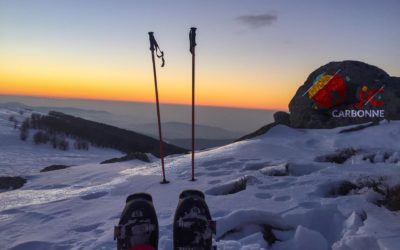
(54, 167)
(11, 182)
(131, 156)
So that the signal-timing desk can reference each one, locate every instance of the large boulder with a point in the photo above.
(345, 93)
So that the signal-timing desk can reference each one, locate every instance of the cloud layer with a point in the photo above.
(257, 21)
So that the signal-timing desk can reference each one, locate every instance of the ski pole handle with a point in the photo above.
(153, 42)
(192, 39)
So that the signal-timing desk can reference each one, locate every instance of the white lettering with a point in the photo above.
(358, 113)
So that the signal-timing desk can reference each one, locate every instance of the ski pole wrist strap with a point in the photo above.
(154, 47)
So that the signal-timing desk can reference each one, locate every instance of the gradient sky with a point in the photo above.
(250, 53)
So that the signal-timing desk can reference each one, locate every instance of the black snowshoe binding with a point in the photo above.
(138, 226)
(193, 227)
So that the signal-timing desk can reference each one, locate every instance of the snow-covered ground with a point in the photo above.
(77, 208)
(20, 158)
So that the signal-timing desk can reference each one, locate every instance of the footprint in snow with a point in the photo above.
(278, 185)
(11, 211)
(40, 245)
(212, 168)
(309, 204)
(219, 173)
(188, 175)
(214, 182)
(56, 186)
(98, 231)
(255, 166)
(245, 160)
(220, 213)
(62, 212)
(165, 214)
(300, 183)
(39, 216)
(282, 198)
(117, 216)
(92, 196)
(231, 165)
(217, 161)
(87, 228)
(263, 196)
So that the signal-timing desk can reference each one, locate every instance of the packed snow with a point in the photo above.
(270, 183)
(21, 157)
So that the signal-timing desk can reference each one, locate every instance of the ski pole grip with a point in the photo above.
(152, 41)
(192, 38)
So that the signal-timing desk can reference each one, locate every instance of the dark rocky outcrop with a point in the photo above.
(11, 182)
(280, 117)
(306, 113)
(128, 157)
(392, 99)
(283, 118)
(258, 132)
(54, 167)
(315, 109)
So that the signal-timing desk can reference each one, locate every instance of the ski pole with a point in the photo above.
(160, 54)
(192, 40)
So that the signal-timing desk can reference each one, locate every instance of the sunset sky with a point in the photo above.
(250, 53)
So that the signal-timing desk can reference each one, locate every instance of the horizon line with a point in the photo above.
(143, 102)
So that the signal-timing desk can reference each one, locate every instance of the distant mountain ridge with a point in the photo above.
(180, 134)
(102, 135)
(180, 130)
(175, 130)
(71, 110)
(127, 114)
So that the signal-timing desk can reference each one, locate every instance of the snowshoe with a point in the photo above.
(138, 226)
(193, 227)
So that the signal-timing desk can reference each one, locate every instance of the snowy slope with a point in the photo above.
(20, 158)
(77, 208)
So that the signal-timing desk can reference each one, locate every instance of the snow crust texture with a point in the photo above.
(264, 193)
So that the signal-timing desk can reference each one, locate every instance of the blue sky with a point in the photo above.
(274, 56)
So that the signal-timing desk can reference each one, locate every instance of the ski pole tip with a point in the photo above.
(164, 182)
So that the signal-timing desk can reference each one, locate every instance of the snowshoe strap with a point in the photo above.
(190, 248)
(213, 226)
(122, 231)
(189, 223)
(117, 232)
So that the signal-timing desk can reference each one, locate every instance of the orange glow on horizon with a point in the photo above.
(77, 82)
(216, 104)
